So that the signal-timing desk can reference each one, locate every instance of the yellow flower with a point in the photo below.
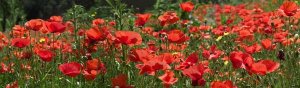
(174, 53)
(42, 40)
(94, 14)
(226, 62)
(219, 38)
(226, 33)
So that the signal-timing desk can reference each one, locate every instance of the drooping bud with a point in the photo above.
(281, 55)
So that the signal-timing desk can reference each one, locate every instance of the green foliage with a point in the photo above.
(101, 8)
(120, 11)
(11, 13)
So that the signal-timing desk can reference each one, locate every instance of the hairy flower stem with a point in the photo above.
(77, 43)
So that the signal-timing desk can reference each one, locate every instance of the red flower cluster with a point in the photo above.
(167, 48)
(246, 61)
(168, 18)
(93, 68)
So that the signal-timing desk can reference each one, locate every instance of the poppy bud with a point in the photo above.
(281, 55)
(89, 56)
(298, 52)
(199, 82)
(296, 36)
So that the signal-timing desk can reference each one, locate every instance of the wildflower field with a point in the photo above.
(186, 44)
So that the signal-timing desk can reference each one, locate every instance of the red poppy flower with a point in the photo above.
(81, 32)
(55, 27)
(195, 73)
(145, 69)
(57, 44)
(12, 85)
(4, 68)
(25, 67)
(34, 24)
(153, 65)
(228, 8)
(220, 30)
(289, 8)
(267, 44)
(278, 23)
(177, 36)
(97, 22)
(92, 64)
(263, 67)
(204, 27)
(130, 38)
(67, 48)
(19, 31)
(241, 60)
(152, 47)
(280, 36)
(148, 30)
(168, 18)
(167, 57)
(287, 42)
(184, 23)
(252, 49)
(187, 6)
(95, 64)
(45, 55)
(71, 69)
(3, 41)
(142, 19)
(259, 68)
(139, 55)
(190, 61)
(90, 74)
(56, 19)
(245, 34)
(168, 79)
(112, 23)
(222, 84)
(22, 54)
(95, 34)
(212, 53)
(120, 81)
(271, 65)
(70, 28)
(20, 42)
(7, 68)
(194, 29)
(173, 47)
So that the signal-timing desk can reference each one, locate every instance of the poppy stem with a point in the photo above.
(124, 48)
